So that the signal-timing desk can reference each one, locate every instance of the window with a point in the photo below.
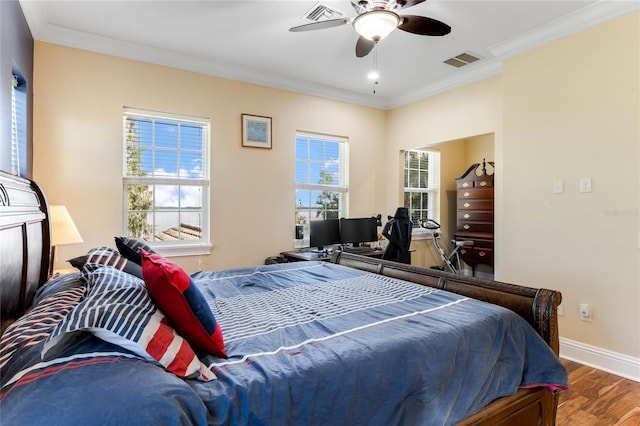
(18, 125)
(321, 178)
(422, 185)
(166, 181)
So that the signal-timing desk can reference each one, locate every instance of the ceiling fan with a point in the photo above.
(377, 19)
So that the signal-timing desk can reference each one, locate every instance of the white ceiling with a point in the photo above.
(250, 41)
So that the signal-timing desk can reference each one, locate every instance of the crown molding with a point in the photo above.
(594, 14)
(475, 72)
(41, 29)
(582, 19)
(56, 34)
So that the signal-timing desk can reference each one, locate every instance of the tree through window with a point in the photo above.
(422, 185)
(166, 177)
(321, 177)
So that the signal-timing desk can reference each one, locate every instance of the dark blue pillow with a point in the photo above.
(130, 248)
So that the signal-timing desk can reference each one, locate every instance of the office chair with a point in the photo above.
(398, 231)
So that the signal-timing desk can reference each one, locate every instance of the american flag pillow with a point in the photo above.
(118, 309)
(179, 298)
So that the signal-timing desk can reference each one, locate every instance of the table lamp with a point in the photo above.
(63, 230)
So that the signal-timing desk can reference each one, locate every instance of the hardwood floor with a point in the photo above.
(597, 398)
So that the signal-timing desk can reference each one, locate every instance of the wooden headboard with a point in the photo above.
(25, 249)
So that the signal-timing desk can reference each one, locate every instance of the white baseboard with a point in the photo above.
(602, 359)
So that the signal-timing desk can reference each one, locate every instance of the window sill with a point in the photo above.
(174, 250)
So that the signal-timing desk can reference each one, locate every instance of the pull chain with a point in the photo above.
(375, 67)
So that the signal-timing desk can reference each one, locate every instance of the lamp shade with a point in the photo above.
(377, 24)
(63, 230)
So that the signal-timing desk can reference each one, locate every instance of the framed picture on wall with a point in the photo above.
(256, 131)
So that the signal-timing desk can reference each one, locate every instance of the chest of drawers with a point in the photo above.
(475, 214)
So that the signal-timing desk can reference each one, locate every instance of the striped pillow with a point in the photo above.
(56, 284)
(118, 309)
(36, 326)
(109, 257)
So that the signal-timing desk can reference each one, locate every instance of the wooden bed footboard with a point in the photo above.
(537, 306)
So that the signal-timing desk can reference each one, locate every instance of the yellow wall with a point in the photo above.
(480, 148)
(451, 122)
(572, 110)
(455, 158)
(78, 149)
(565, 110)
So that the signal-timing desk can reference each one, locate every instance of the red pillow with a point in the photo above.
(182, 302)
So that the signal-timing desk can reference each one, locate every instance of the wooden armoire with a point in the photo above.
(475, 214)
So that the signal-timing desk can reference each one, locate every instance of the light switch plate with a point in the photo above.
(585, 184)
(558, 186)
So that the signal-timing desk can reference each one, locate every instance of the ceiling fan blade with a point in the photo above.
(423, 26)
(320, 25)
(364, 46)
(403, 4)
(362, 6)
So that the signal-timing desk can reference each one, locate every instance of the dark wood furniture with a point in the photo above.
(25, 251)
(475, 214)
(301, 255)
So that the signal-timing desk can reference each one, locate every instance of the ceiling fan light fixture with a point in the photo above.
(377, 24)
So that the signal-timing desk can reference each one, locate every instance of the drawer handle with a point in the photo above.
(463, 251)
(464, 185)
(466, 205)
(483, 183)
(466, 216)
(466, 226)
(482, 254)
(466, 194)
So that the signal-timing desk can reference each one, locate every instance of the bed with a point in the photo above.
(352, 341)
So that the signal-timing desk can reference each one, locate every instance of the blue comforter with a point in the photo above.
(308, 343)
(317, 343)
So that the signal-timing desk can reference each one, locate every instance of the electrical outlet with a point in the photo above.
(585, 184)
(585, 312)
(560, 310)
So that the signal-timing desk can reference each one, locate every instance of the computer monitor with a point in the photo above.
(324, 233)
(358, 230)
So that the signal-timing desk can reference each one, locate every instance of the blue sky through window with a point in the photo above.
(315, 157)
(170, 148)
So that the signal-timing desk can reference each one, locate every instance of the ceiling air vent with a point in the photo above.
(321, 12)
(461, 60)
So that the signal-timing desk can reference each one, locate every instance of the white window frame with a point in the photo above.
(342, 186)
(433, 188)
(18, 126)
(179, 247)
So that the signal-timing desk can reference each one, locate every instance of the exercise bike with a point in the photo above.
(450, 262)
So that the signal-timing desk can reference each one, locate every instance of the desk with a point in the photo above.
(299, 255)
